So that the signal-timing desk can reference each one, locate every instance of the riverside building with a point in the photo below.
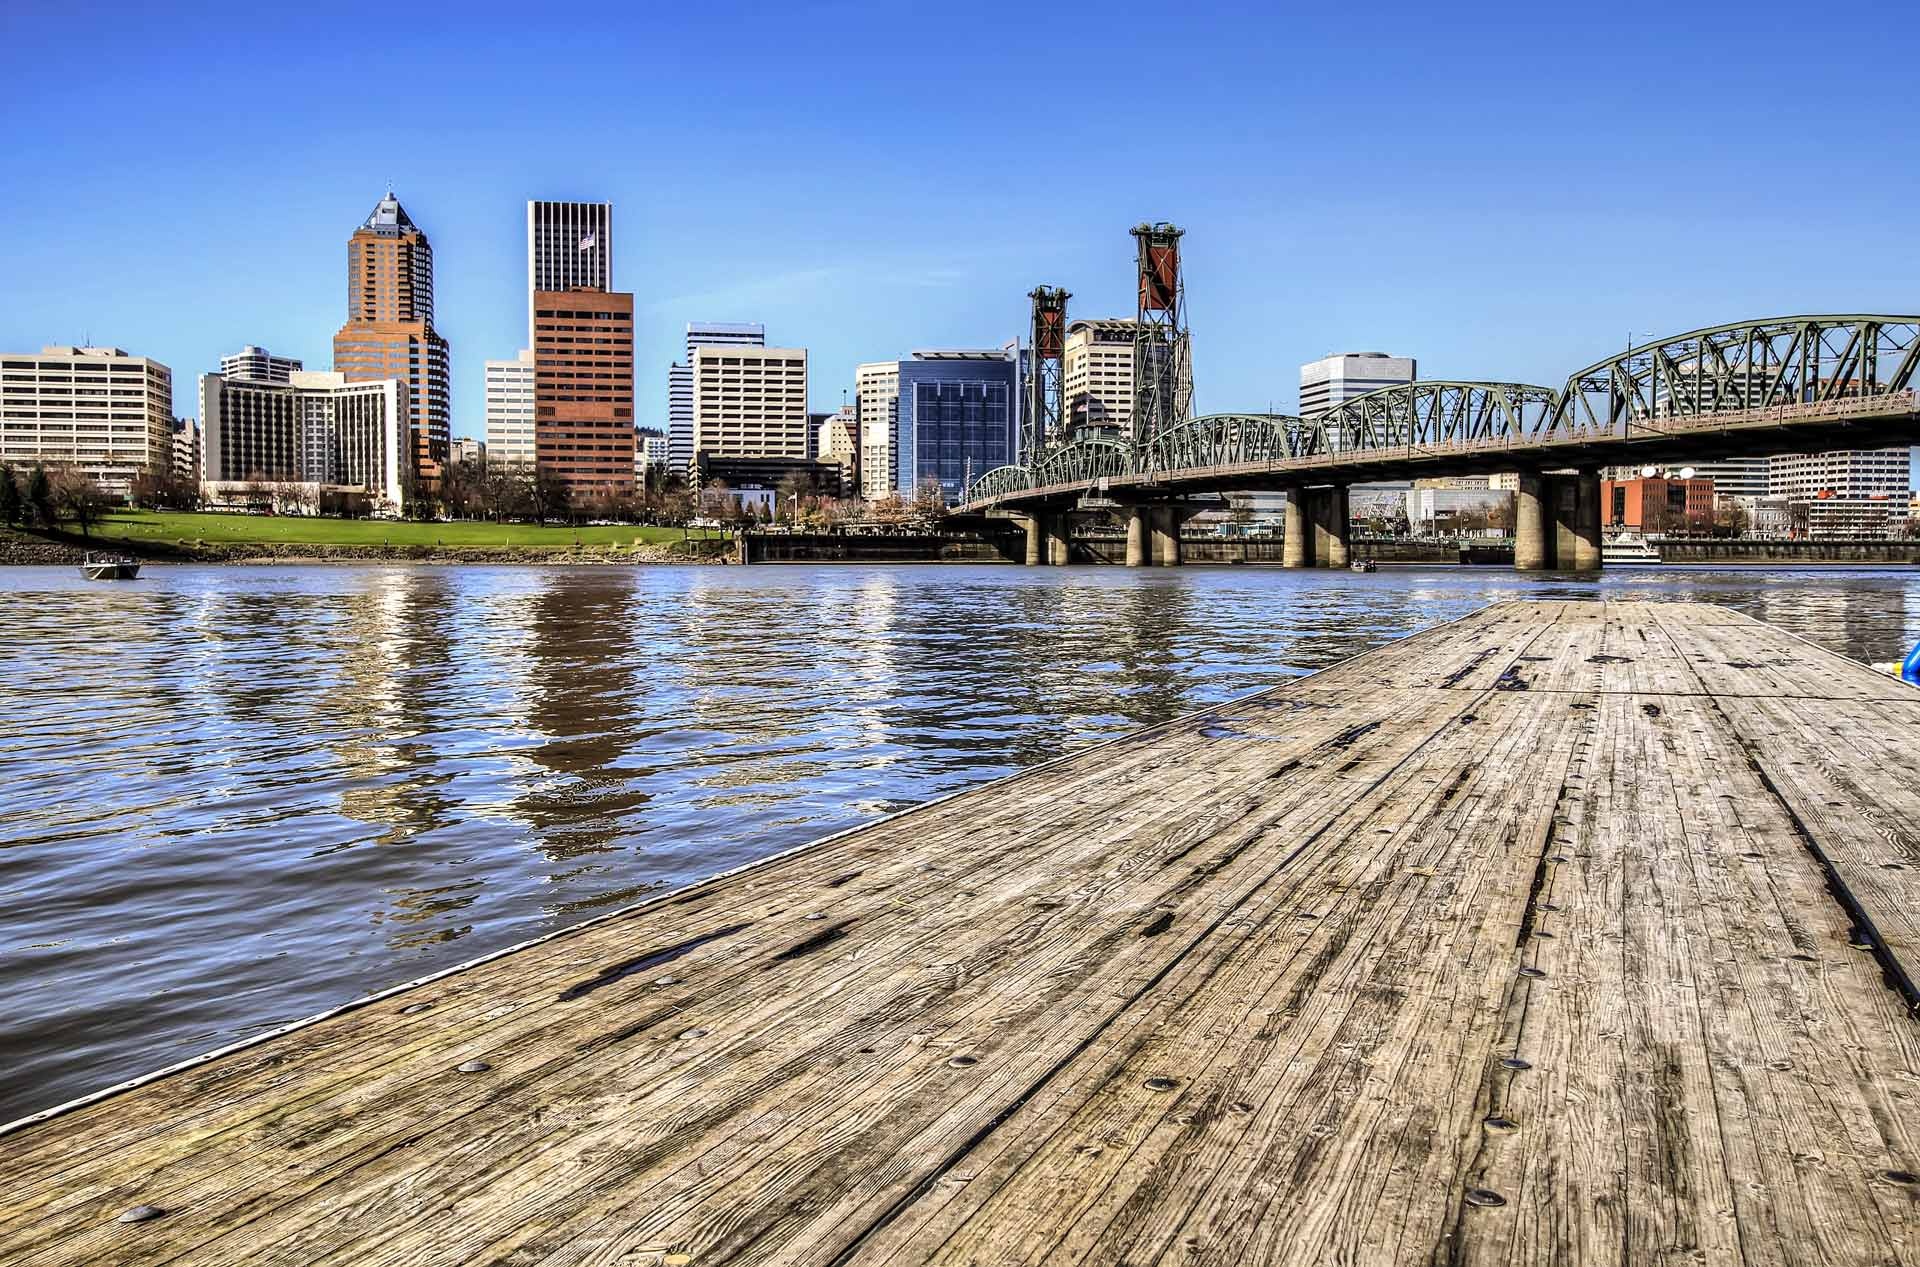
(749, 402)
(319, 431)
(390, 334)
(582, 336)
(876, 396)
(739, 334)
(510, 410)
(108, 414)
(957, 413)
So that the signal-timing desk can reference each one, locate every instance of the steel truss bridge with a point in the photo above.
(1779, 385)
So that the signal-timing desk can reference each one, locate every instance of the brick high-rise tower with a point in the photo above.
(582, 349)
(389, 331)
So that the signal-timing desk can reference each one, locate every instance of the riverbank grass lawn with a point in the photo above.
(158, 527)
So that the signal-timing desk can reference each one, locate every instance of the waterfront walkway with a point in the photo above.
(1567, 932)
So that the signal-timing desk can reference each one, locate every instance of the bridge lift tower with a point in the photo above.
(1162, 350)
(1046, 353)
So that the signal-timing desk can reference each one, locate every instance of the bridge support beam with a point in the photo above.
(1166, 536)
(1036, 540)
(1333, 534)
(1296, 549)
(1059, 530)
(1586, 523)
(1531, 541)
(1139, 533)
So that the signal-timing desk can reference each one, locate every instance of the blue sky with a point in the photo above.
(1500, 191)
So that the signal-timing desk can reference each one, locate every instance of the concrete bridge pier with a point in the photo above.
(1531, 542)
(1036, 540)
(1296, 545)
(1059, 534)
(1586, 522)
(1139, 536)
(1166, 535)
(1333, 529)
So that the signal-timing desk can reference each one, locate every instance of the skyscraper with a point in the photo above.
(680, 380)
(569, 247)
(582, 336)
(389, 331)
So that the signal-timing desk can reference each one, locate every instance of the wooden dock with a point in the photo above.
(1567, 932)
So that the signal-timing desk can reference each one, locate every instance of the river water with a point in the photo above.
(236, 796)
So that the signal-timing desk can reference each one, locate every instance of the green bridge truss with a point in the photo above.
(1806, 362)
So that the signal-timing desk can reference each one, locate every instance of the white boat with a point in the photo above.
(1364, 565)
(111, 568)
(1629, 549)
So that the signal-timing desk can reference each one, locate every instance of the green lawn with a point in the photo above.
(166, 526)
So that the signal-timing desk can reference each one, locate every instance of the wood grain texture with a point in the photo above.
(1567, 932)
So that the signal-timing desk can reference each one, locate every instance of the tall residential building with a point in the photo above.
(649, 451)
(1096, 374)
(876, 395)
(98, 409)
(957, 413)
(1739, 477)
(569, 247)
(389, 331)
(719, 334)
(510, 410)
(583, 389)
(317, 428)
(1327, 382)
(1843, 473)
(749, 402)
(257, 365)
(582, 337)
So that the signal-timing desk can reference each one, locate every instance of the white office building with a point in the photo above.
(1842, 473)
(876, 398)
(257, 365)
(509, 428)
(680, 386)
(749, 401)
(108, 414)
(1332, 379)
(316, 430)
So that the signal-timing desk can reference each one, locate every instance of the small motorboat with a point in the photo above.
(1364, 565)
(116, 567)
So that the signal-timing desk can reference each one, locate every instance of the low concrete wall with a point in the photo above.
(1790, 552)
(834, 547)
(1270, 550)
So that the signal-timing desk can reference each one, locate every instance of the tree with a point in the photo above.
(929, 500)
(75, 495)
(1731, 519)
(11, 505)
(40, 496)
(550, 495)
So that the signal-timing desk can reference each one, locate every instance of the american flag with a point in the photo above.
(586, 243)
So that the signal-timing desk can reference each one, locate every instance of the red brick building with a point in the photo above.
(583, 389)
(389, 331)
(1656, 504)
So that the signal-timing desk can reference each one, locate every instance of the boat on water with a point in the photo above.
(110, 568)
(1629, 549)
(1364, 565)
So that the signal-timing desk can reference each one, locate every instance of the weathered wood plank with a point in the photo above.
(1234, 989)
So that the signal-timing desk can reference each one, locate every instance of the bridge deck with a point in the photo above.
(1565, 932)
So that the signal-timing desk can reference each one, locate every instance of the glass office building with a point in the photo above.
(958, 412)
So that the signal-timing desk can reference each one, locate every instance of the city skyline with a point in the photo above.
(859, 259)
